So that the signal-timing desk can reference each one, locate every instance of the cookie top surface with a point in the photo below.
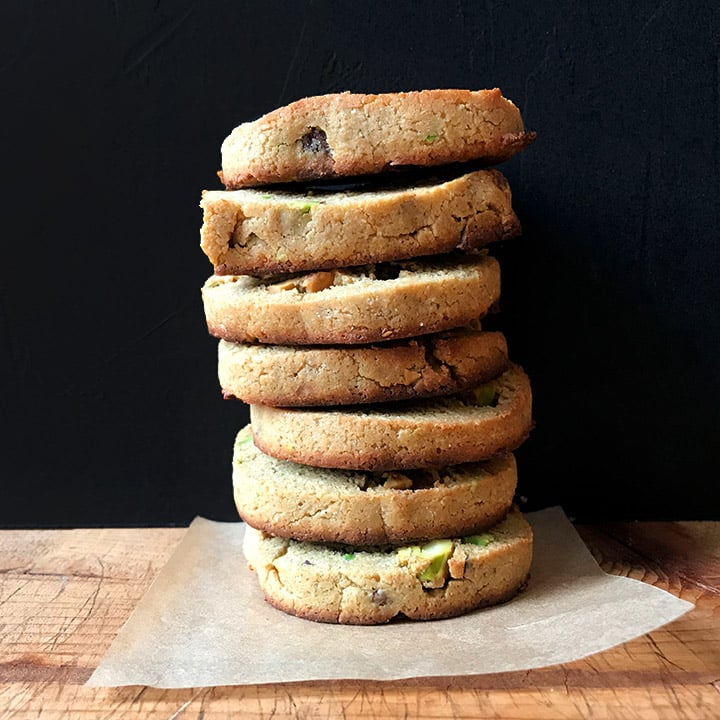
(350, 134)
(365, 508)
(344, 584)
(297, 375)
(468, 427)
(355, 305)
(290, 229)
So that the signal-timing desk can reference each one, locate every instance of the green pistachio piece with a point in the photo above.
(305, 207)
(481, 540)
(436, 548)
(438, 552)
(485, 395)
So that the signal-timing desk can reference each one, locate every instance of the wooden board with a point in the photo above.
(65, 593)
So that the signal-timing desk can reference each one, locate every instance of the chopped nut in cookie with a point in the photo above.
(396, 481)
(282, 286)
(456, 564)
(317, 281)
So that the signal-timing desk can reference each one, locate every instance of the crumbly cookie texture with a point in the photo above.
(353, 306)
(257, 232)
(345, 584)
(349, 134)
(467, 427)
(364, 508)
(301, 375)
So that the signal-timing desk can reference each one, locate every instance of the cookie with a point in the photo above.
(349, 134)
(301, 375)
(364, 508)
(467, 427)
(257, 232)
(345, 584)
(353, 306)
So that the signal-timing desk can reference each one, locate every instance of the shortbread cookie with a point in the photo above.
(467, 427)
(351, 134)
(365, 508)
(297, 375)
(346, 584)
(257, 232)
(353, 306)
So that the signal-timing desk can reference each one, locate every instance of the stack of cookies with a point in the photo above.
(351, 276)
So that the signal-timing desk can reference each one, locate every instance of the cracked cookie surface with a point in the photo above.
(291, 376)
(256, 232)
(345, 584)
(467, 427)
(354, 306)
(349, 134)
(365, 508)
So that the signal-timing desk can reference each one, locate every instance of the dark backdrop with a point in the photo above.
(112, 118)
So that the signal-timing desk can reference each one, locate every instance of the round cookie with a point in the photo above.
(364, 508)
(353, 306)
(347, 134)
(344, 584)
(257, 232)
(303, 375)
(467, 427)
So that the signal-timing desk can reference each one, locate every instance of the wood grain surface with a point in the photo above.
(64, 594)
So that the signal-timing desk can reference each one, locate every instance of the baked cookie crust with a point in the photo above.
(354, 306)
(258, 232)
(364, 508)
(306, 375)
(467, 427)
(348, 134)
(343, 584)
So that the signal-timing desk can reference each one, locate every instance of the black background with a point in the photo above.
(112, 118)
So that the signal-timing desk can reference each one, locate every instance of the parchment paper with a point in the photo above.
(204, 622)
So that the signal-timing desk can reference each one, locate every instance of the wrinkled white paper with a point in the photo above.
(204, 622)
